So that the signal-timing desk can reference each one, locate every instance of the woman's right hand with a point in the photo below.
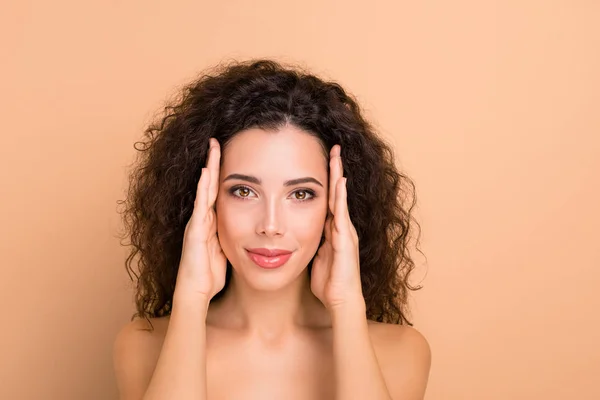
(203, 264)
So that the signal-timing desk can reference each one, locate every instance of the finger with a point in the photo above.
(341, 217)
(202, 195)
(327, 228)
(212, 231)
(335, 173)
(213, 165)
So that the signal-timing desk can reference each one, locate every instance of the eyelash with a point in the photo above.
(310, 192)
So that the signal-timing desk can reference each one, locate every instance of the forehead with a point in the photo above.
(285, 153)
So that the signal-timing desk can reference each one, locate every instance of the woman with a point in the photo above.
(272, 230)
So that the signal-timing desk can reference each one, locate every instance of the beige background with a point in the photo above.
(494, 111)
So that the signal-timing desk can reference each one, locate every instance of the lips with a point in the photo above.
(269, 252)
(269, 258)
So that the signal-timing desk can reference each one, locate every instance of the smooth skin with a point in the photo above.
(330, 351)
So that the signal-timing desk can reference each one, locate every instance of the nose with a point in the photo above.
(270, 222)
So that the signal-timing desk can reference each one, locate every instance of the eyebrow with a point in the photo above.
(257, 181)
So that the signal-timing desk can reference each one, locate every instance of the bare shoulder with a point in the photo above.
(404, 356)
(136, 349)
(397, 335)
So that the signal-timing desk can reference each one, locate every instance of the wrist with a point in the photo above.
(190, 302)
(352, 309)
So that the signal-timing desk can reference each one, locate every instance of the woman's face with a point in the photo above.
(259, 205)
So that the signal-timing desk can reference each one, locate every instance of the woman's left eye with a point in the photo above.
(304, 193)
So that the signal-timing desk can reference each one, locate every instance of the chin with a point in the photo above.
(268, 285)
(269, 280)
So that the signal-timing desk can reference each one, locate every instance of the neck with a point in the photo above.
(270, 314)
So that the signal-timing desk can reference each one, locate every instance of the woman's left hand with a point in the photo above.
(335, 277)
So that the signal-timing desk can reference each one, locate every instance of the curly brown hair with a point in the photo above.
(266, 94)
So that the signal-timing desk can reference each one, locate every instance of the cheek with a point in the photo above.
(232, 226)
(308, 227)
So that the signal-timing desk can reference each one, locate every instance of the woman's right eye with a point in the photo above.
(244, 191)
